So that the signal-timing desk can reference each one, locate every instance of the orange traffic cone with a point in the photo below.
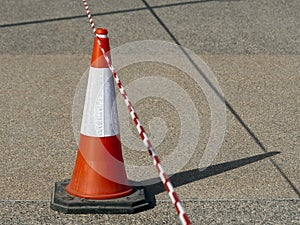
(99, 175)
(99, 172)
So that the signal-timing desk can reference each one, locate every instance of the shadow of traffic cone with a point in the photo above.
(99, 183)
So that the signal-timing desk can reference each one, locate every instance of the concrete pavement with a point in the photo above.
(252, 47)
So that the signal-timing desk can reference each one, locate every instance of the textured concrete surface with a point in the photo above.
(204, 212)
(252, 47)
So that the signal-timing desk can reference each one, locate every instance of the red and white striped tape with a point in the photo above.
(162, 174)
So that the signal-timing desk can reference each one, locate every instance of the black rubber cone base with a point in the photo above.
(63, 202)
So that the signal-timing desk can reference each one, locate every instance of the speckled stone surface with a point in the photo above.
(252, 48)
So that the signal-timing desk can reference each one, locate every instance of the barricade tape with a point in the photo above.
(162, 174)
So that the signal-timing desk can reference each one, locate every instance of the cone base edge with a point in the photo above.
(62, 201)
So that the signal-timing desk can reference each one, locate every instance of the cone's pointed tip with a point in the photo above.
(101, 31)
(98, 61)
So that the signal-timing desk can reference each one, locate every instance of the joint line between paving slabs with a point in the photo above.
(228, 105)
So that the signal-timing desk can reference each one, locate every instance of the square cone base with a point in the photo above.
(63, 202)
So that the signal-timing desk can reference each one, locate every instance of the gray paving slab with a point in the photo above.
(35, 125)
(240, 27)
(247, 73)
(233, 27)
(14, 12)
(75, 36)
(38, 138)
(266, 96)
(209, 212)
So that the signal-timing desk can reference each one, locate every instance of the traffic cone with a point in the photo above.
(99, 171)
(99, 182)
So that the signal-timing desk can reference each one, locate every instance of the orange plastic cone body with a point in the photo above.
(99, 171)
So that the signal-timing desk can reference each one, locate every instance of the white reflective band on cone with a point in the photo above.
(100, 115)
(101, 35)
